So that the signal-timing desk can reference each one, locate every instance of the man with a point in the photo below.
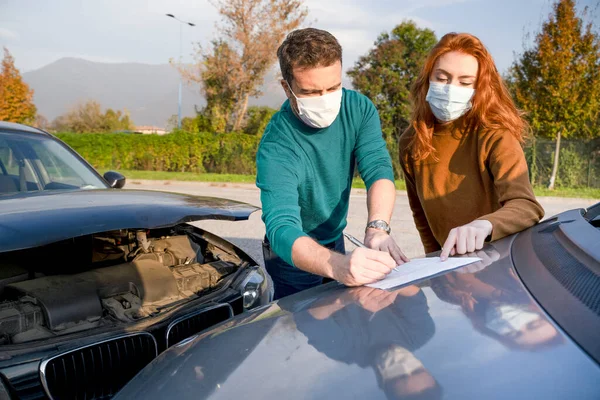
(305, 165)
(374, 328)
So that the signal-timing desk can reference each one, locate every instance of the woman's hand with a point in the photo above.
(488, 256)
(466, 238)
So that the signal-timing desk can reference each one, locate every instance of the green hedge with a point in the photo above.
(235, 153)
(232, 153)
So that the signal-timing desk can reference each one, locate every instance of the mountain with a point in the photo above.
(148, 92)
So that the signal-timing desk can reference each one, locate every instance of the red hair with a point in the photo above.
(493, 107)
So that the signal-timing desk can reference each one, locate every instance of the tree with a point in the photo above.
(16, 98)
(188, 124)
(220, 87)
(172, 123)
(41, 122)
(234, 66)
(257, 120)
(386, 74)
(88, 118)
(84, 117)
(557, 79)
(115, 121)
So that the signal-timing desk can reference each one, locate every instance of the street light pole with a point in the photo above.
(180, 47)
(179, 102)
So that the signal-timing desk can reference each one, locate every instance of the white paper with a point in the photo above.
(420, 268)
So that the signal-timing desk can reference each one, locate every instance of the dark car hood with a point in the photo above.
(337, 342)
(41, 218)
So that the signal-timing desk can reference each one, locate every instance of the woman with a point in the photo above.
(466, 175)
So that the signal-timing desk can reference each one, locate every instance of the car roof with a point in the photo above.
(12, 126)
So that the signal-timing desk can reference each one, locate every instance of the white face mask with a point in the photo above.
(397, 362)
(448, 102)
(507, 319)
(321, 111)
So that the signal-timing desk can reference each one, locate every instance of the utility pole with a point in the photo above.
(180, 80)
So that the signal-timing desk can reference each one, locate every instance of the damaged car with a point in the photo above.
(95, 280)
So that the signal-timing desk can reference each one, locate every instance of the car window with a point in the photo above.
(31, 162)
(7, 158)
(17, 174)
(57, 169)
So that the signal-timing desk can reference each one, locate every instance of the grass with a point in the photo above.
(187, 176)
(582, 193)
(588, 193)
(357, 183)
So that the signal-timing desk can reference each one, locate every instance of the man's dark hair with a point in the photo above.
(435, 392)
(307, 48)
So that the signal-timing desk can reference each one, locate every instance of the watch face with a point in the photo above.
(382, 225)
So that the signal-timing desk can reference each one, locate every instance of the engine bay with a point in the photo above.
(105, 279)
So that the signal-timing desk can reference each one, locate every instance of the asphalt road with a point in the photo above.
(248, 234)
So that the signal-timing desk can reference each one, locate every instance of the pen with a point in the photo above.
(354, 240)
(358, 243)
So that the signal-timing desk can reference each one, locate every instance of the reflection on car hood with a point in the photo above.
(467, 334)
(37, 219)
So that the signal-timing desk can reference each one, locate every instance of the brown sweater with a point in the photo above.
(477, 176)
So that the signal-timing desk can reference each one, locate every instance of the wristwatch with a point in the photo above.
(379, 224)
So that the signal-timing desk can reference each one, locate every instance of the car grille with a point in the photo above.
(237, 305)
(28, 387)
(189, 325)
(97, 371)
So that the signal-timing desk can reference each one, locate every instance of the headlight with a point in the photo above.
(255, 289)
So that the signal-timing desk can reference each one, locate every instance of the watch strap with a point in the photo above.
(379, 224)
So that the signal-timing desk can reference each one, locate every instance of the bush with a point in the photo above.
(572, 168)
(257, 119)
(577, 165)
(235, 153)
(181, 151)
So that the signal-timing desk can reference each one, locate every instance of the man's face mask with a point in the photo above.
(397, 362)
(506, 319)
(449, 102)
(321, 111)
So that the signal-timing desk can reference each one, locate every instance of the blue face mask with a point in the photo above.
(448, 102)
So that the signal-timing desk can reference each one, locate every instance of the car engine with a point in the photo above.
(108, 278)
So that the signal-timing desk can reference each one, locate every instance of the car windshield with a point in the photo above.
(33, 162)
(592, 215)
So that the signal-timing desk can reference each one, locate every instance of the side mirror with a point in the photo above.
(114, 179)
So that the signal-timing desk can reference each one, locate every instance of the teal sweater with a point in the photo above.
(305, 174)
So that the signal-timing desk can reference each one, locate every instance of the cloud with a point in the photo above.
(358, 24)
(8, 34)
(419, 5)
(341, 14)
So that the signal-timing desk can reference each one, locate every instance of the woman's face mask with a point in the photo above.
(448, 102)
(320, 111)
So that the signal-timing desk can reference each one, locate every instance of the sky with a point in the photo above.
(39, 32)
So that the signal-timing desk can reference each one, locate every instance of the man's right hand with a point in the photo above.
(363, 266)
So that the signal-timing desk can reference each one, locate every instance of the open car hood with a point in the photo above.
(38, 219)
